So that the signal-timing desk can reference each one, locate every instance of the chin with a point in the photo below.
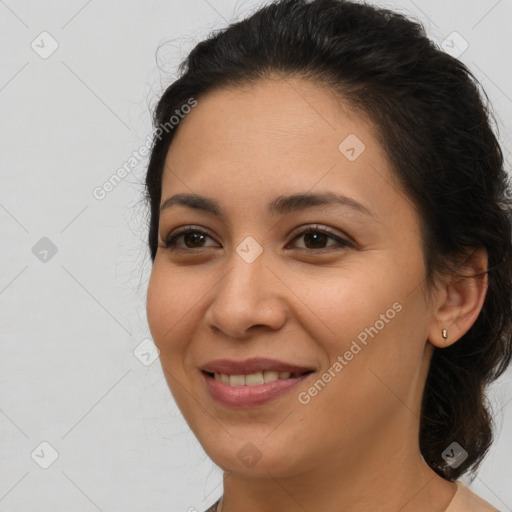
(254, 458)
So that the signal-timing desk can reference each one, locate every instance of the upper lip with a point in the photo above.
(254, 365)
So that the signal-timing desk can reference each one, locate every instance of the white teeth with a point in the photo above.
(253, 379)
(270, 376)
(237, 380)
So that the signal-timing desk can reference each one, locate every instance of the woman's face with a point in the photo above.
(248, 283)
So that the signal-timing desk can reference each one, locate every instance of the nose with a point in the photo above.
(248, 297)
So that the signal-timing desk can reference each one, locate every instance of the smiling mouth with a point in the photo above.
(255, 379)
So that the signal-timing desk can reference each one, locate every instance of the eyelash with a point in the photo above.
(170, 241)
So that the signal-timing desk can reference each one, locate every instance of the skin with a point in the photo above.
(354, 446)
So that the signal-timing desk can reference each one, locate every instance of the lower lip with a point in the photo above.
(250, 396)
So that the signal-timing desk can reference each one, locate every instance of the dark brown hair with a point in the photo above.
(436, 129)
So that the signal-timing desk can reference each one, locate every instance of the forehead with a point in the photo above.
(275, 123)
(278, 112)
(277, 136)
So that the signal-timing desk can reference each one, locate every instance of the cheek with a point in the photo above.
(343, 304)
(166, 304)
(156, 303)
(368, 317)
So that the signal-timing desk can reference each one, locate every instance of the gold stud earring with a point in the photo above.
(445, 334)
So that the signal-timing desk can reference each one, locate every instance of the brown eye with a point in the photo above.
(193, 238)
(317, 238)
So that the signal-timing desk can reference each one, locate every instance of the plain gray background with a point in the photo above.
(74, 365)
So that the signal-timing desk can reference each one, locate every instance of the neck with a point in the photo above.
(399, 479)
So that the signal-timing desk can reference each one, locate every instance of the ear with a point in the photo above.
(460, 299)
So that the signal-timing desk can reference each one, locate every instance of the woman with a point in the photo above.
(331, 242)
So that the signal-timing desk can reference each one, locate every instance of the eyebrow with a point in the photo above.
(280, 205)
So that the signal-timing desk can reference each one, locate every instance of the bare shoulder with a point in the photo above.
(465, 500)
